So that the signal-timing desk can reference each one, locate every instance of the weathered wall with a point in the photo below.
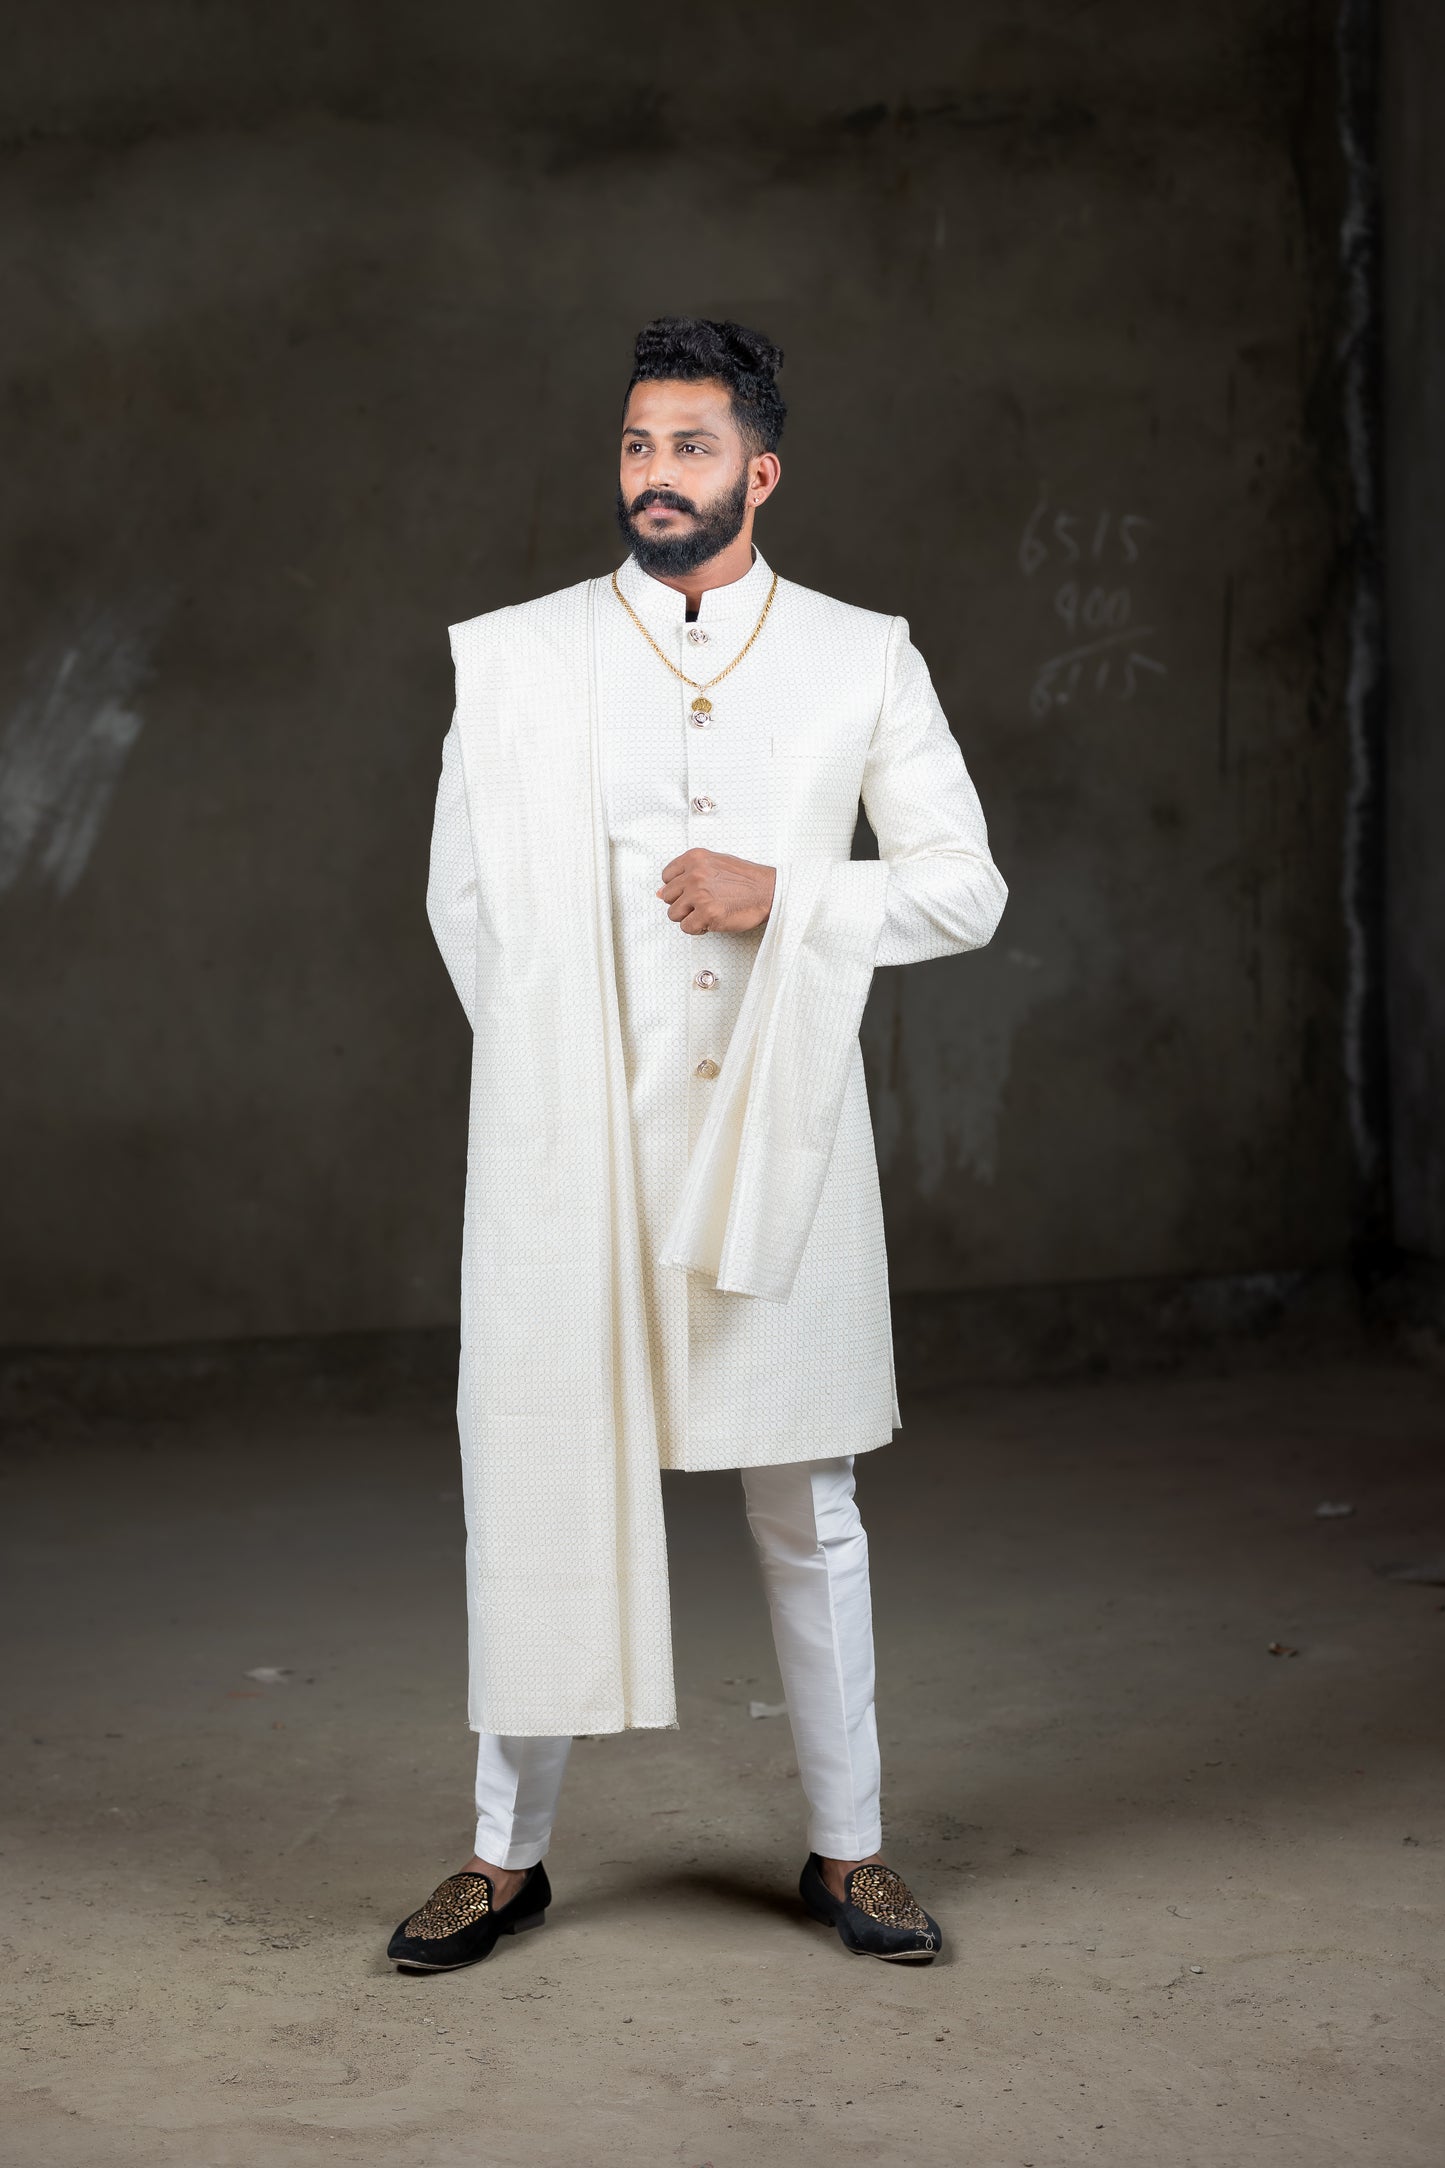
(1413, 163)
(318, 324)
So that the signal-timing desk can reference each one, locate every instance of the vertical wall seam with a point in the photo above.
(1358, 354)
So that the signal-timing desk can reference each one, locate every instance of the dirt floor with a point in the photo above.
(1192, 1889)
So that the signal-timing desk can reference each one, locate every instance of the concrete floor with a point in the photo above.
(1192, 1890)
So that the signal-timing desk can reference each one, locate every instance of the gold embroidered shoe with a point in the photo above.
(461, 1923)
(878, 1915)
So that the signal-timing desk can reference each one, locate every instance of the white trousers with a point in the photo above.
(813, 1551)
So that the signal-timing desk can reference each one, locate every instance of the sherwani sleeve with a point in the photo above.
(944, 893)
(451, 897)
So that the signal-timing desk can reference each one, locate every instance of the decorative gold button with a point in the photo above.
(706, 1068)
(697, 637)
(704, 805)
(706, 979)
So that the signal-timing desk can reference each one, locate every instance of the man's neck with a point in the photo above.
(732, 564)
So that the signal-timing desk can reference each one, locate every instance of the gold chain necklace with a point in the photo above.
(702, 705)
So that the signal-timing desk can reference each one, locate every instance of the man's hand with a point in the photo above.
(708, 892)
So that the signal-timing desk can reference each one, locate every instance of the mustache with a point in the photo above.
(667, 497)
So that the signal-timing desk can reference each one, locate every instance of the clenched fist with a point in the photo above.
(709, 892)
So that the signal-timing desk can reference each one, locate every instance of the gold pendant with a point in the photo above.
(702, 705)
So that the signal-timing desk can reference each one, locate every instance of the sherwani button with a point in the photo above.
(706, 1068)
(697, 636)
(706, 979)
(704, 805)
(699, 722)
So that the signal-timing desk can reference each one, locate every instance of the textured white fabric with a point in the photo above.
(832, 703)
(568, 1619)
(813, 1551)
(587, 1108)
(752, 1187)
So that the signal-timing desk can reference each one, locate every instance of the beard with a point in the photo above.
(674, 554)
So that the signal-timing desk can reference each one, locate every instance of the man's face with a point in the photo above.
(685, 476)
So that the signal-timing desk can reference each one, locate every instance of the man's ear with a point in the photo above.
(764, 475)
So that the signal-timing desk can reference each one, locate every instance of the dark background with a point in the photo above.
(318, 320)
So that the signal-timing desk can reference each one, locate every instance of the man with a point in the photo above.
(673, 1255)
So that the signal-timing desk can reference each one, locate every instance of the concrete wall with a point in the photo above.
(318, 323)
(1413, 164)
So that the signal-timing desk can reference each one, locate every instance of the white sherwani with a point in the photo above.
(544, 872)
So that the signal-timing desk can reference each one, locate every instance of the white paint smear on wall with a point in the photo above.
(63, 748)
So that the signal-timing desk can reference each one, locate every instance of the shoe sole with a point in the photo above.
(895, 1957)
(515, 1927)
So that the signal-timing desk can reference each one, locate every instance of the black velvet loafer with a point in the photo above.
(461, 1922)
(879, 1916)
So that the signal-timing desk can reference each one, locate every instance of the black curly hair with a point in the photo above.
(687, 349)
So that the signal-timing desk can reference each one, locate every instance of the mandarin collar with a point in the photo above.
(662, 608)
